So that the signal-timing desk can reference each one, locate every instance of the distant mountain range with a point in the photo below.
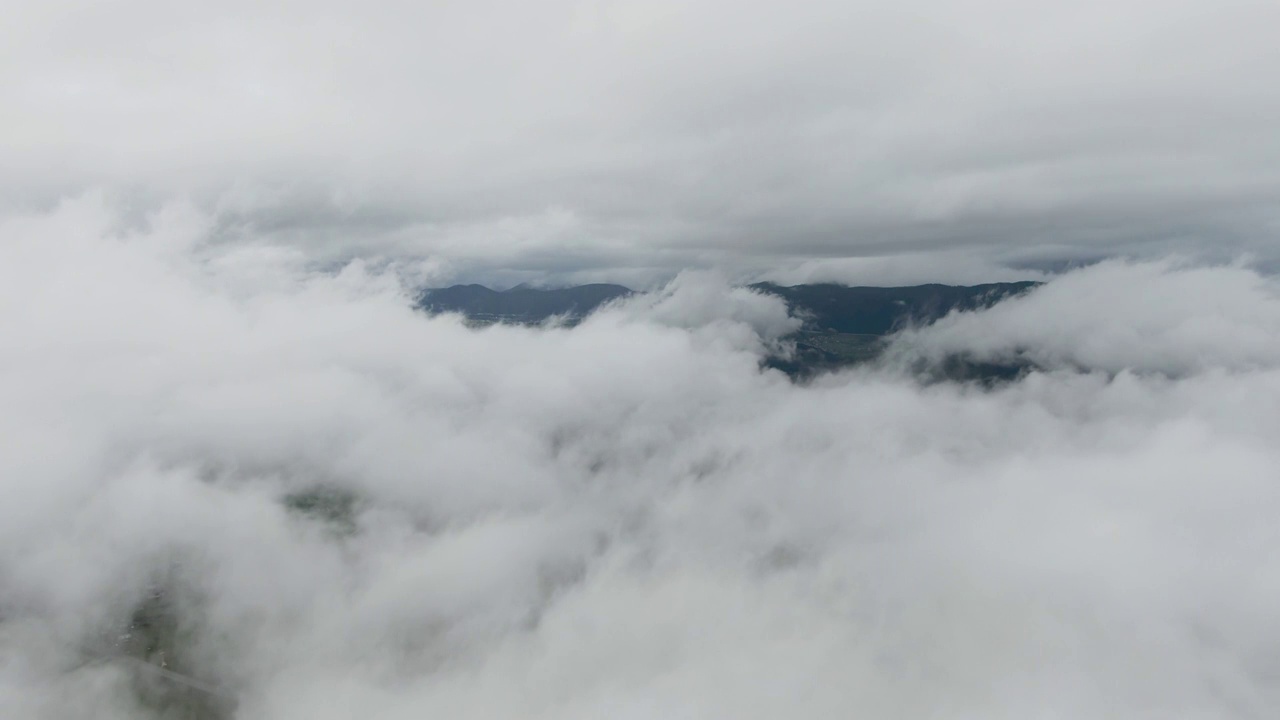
(842, 325)
(520, 304)
(882, 310)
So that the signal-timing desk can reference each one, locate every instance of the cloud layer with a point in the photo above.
(594, 139)
(628, 518)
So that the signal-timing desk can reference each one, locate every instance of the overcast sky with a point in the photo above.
(505, 141)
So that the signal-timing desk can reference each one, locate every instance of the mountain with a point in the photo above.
(519, 304)
(843, 325)
(847, 326)
(882, 310)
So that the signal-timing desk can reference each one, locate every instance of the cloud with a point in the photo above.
(1164, 317)
(707, 304)
(629, 517)
(589, 138)
(951, 268)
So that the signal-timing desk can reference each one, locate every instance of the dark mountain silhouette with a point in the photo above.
(843, 325)
(882, 310)
(847, 326)
(520, 304)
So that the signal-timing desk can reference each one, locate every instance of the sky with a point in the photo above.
(563, 141)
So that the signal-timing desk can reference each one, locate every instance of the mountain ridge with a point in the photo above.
(865, 310)
(843, 325)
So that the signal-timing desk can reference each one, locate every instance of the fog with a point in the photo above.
(628, 518)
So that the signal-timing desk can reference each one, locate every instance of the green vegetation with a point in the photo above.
(334, 507)
(848, 347)
(156, 646)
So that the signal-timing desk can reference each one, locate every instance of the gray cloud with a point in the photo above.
(510, 141)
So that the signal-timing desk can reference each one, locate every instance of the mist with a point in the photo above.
(632, 517)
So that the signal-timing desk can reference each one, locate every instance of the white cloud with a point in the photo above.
(707, 304)
(1157, 317)
(626, 518)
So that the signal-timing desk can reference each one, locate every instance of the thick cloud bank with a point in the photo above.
(1156, 317)
(628, 518)
(623, 141)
